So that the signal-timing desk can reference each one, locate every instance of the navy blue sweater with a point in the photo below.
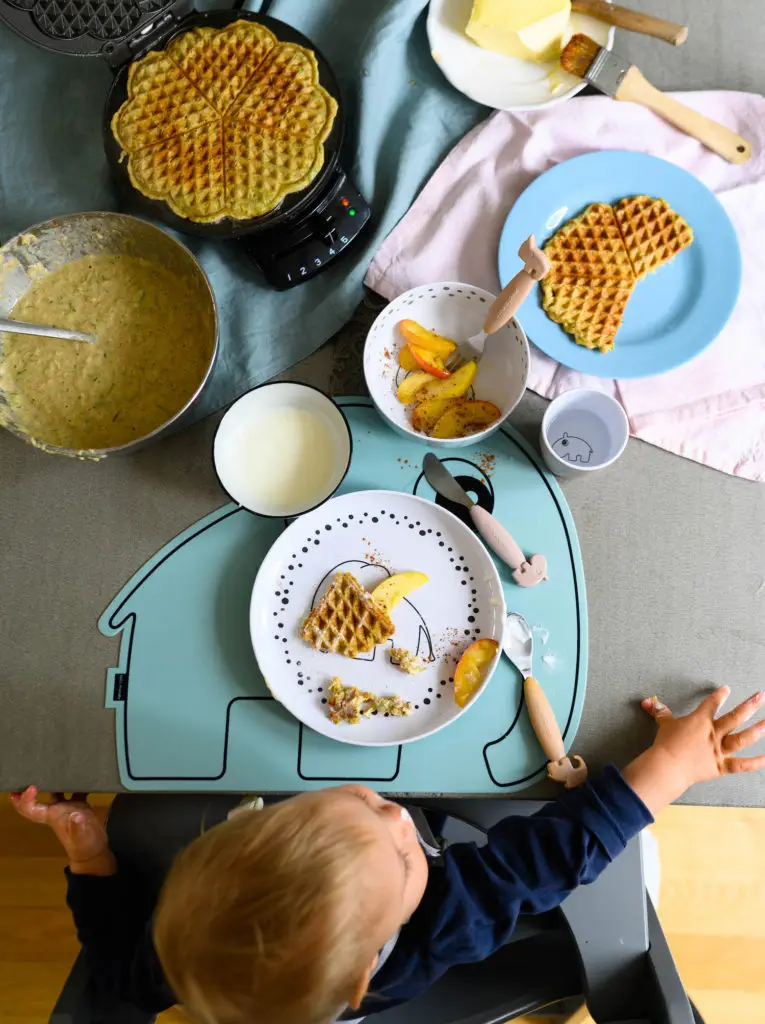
(470, 907)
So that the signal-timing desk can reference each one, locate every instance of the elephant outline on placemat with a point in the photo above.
(416, 634)
(479, 486)
(122, 617)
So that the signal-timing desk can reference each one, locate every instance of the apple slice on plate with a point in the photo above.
(415, 334)
(406, 360)
(426, 414)
(456, 384)
(462, 419)
(410, 386)
(472, 669)
(429, 361)
(391, 591)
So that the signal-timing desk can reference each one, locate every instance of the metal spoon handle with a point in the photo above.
(17, 327)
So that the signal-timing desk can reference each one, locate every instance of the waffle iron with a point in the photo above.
(309, 230)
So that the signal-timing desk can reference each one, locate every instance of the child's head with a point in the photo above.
(277, 916)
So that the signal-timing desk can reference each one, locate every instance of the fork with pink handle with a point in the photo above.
(535, 266)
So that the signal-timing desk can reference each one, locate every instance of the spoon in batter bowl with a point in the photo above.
(518, 645)
(18, 327)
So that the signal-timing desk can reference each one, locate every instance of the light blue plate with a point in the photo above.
(673, 314)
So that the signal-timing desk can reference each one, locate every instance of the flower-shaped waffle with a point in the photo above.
(224, 122)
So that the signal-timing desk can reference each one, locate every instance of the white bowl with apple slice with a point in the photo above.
(453, 311)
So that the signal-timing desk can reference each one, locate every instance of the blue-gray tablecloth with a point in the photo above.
(402, 117)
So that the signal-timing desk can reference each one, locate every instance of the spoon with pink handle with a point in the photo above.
(527, 572)
(518, 645)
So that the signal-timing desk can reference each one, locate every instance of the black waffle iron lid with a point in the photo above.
(117, 30)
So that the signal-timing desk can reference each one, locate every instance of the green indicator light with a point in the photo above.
(351, 212)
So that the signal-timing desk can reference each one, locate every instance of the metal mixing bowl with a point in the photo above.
(54, 243)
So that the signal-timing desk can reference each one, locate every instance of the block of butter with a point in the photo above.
(527, 29)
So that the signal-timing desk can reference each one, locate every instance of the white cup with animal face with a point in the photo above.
(583, 430)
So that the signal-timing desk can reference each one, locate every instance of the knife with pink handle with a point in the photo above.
(527, 572)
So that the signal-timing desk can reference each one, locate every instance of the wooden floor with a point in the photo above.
(712, 908)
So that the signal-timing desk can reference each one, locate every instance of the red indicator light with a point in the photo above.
(344, 202)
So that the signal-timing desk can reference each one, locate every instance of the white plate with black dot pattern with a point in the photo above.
(373, 534)
(455, 311)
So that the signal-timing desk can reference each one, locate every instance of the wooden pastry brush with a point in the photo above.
(632, 21)
(616, 77)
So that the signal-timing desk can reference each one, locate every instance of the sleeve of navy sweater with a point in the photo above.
(529, 865)
(470, 908)
(113, 916)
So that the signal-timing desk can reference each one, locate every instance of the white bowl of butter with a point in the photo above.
(503, 53)
(282, 449)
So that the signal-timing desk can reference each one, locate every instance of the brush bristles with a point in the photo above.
(578, 54)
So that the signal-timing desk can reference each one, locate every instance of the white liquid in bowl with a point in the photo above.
(281, 459)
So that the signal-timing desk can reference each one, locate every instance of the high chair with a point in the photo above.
(603, 946)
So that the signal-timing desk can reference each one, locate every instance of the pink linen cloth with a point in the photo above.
(711, 410)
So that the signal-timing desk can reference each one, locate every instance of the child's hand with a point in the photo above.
(77, 827)
(695, 748)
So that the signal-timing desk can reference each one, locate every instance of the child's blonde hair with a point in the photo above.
(260, 919)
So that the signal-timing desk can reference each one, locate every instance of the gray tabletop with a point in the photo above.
(674, 553)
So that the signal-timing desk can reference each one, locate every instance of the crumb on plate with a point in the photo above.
(406, 661)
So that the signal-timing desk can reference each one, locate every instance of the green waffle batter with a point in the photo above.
(154, 337)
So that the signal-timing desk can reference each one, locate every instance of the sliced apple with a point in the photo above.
(465, 418)
(406, 360)
(456, 384)
(472, 669)
(411, 384)
(426, 414)
(429, 361)
(417, 335)
(391, 591)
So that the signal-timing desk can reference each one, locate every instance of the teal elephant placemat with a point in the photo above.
(193, 712)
